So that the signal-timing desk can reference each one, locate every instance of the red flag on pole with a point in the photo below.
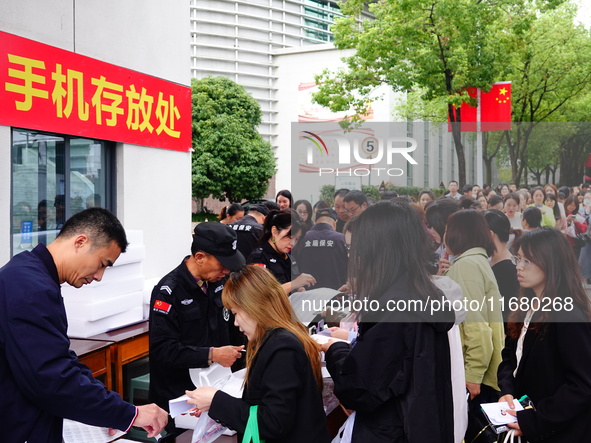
(495, 110)
(467, 114)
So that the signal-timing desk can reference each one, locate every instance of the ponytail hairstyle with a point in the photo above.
(257, 292)
(499, 223)
(281, 220)
(230, 211)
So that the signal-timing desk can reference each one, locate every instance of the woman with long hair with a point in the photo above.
(552, 202)
(547, 355)
(284, 199)
(397, 375)
(231, 213)
(467, 237)
(283, 375)
(304, 210)
(274, 249)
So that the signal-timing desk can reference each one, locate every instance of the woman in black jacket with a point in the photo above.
(281, 231)
(396, 376)
(547, 353)
(283, 366)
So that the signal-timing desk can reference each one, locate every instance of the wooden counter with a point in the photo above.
(127, 344)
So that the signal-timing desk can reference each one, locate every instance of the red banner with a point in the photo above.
(50, 89)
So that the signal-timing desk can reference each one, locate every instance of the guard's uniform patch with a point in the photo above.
(161, 306)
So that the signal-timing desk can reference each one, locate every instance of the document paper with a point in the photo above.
(76, 432)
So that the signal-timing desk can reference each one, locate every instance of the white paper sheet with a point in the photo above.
(179, 406)
(76, 432)
(321, 339)
(496, 414)
(208, 376)
(302, 301)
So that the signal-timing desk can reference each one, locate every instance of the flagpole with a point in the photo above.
(479, 172)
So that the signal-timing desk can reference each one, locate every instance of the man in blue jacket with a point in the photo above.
(41, 380)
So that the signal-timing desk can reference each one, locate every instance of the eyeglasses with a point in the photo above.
(351, 211)
(518, 261)
(300, 212)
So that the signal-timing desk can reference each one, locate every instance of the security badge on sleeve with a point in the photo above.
(161, 306)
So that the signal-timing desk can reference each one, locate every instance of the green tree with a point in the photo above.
(230, 159)
(551, 61)
(437, 48)
(575, 146)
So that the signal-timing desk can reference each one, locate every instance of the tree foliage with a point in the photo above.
(551, 65)
(434, 50)
(230, 159)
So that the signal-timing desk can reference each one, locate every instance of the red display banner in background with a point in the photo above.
(50, 89)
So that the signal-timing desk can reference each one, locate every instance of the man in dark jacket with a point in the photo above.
(322, 252)
(189, 326)
(41, 380)
(250, 228)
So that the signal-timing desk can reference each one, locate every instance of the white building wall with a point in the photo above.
(149, 36)
(300, 65)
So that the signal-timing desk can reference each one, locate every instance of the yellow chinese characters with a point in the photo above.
(166, 110)
(59, 92)
(108, 91)
(139, 109)
(33, 80)
(27, 88)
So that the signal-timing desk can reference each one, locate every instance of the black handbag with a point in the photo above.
(479, 429)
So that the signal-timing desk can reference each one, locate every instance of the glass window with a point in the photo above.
(45, 169)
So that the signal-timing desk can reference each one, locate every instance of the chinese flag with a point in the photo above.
(467, 114)
(495, 108)
(162, 306)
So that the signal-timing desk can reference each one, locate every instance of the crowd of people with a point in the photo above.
(498, 277)
(493, 248)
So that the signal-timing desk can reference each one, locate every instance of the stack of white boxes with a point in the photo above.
(115, 301)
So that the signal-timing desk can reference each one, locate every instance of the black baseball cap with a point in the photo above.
(220, 241)
(261, 209)
(326, 212)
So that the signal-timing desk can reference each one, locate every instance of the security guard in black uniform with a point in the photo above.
(189, 326)
(249, 229)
